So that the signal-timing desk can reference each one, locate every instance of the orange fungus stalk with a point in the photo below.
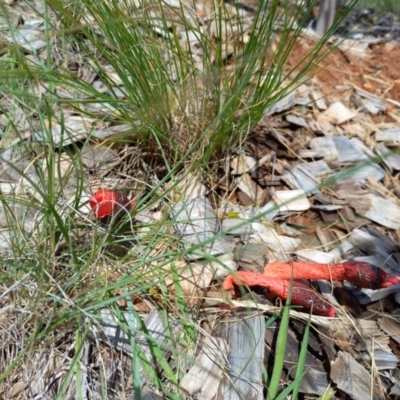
(277, 276)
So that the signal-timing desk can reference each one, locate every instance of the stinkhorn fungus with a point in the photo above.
(110, 206)
(277, 275)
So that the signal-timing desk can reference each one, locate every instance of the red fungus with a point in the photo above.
(110, 205)
(277, 276)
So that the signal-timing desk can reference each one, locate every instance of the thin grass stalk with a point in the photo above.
(280, 349)
(302, 360)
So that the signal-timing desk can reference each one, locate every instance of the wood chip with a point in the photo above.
(235, 226)
(249, 187)
(391, 327)
(389, 158)
(378, 209)
(193, 278)
(252, 256)
(382, 359)
(315, 168)
(293, 119)
(204, 377)
(348, 150)
(291, 200)
(361, 174)
(245, 337)
(242, 164)
(356, 129)
(98, 157)
(197, 222)
(297, 178)
(284, 104)
(188, 187)
(338, 113)
(388, 135)
(326, 127)
(224, 265)
(315, 256)
(281, 244)
(319, 100)
(314, 380)
(326, 146)
(73, 129)
(351, 377)
(368, 296)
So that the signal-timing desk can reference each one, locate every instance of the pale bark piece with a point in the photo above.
(6, 241)
(388, 135)
(372, 103)
(348, 150)
(98, 157)
(305, 176)
(235, 226)
(193, 278)
(339, 252)
(242, 164)
(326, 146)
(338, 113)
(291, 200)
(284, 104)
(204, 377)
(362, 173)
(74, 129)
(390, 326)
(389, 158)
(315, 168)
(275, 242)
(196, 222)
(295, 120)
(326, 127)
(351, 377)
(355, 51)
(315, 256)
(297, 178)
(382, 358)
(315, 379)
(368, 296)
(374, 106)
(326, 207)
(106, 109)
(356, 129)
(252, 256)
(29, 39)
(319, 100)
(16, 167)
(245, 337)
(379, 252)
(224, 265)
(269, 211)
(186, 188)
(108, 330)
(306, 153)
(378, 209)
(248, 186)
(17, 388)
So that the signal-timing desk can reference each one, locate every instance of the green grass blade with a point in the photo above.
(302, 359)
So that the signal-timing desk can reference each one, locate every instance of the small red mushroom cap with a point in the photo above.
(109, 203)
